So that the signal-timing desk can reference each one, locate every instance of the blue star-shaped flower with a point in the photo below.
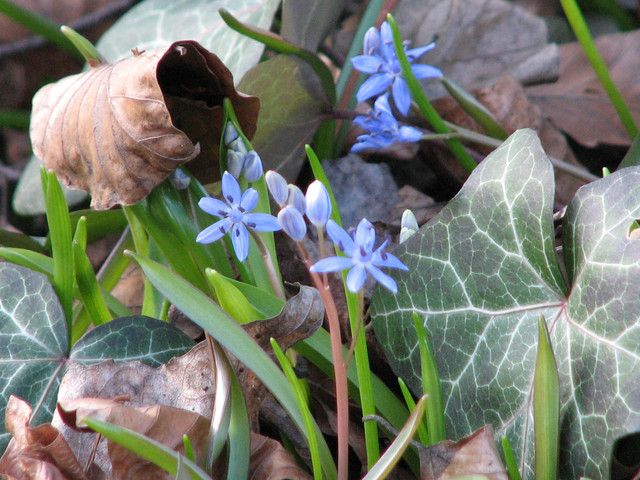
(235, 217)
(381, 62)
(382, 128)
(360, 257)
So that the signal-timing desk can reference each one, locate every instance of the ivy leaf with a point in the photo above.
(485, 269)
(292, 103)
(156, 24)
(34, 342)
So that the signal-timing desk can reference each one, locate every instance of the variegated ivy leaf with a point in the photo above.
(484, 270)
(34, 343)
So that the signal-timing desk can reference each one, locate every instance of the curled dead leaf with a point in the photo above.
(269, 459)
(164, 424)
(119, 130)
(473, 455)
(38, 453)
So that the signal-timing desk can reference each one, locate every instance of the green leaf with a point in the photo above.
(208, 315)
(157, 23)
(307, 23)
(28, 198)
(33, 342)
(147, 448)
(127, 339)
(481, 274)
(292, 103)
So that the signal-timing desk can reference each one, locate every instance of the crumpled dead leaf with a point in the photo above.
(36, 453)
(184, 382)
(479, 41)
(119, 130)
(507, 101)
(164, 424)
(270, 460)
(578, 105)
(473, 455)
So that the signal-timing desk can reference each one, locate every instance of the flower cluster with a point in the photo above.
(360, 257)
(381, 62)
(239, 160)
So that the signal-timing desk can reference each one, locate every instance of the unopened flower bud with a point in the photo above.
(318, 204)
(238, 146)
(252, 166)
(292, 222)
(179, 179)
(277, 187)
(235, 162)
(230, 134)
(296, 199)
(408, 225)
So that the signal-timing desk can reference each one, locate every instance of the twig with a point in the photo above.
(87, 21)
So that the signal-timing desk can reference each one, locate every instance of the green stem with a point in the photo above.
(427, 110)
(274, 277)
(581, 31)
(367, 402)
(39, 25)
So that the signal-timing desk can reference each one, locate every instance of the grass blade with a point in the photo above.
(411, 405)
(546, 407)
(510, 460)
(394, 453)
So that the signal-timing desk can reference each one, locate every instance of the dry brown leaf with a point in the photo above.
(38, 453)
(164, 424)
(508, 103)
(119, 130)
(269, 460)
(473, 455)
(184, 382)
(578, 105)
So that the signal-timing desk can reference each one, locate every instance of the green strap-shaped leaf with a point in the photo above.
(481, 274)
(33, 342)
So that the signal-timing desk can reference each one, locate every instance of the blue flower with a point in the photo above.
(318, 204)
(292, 222)
(381, 62)
(383, 128)
(360, 257)
(235, 217)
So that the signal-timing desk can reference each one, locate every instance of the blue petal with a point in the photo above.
(340, 238)
(384, 259)
(240, 241)
(382, 278)
(401, 95)
(386, 42)
(382, 105)
(213, 206)
(252, 166)
(277, 187)
(331, 264)
(365, 235)
(409, 134)
(235, 162)
(415, 53)
(426, 71)
(318, 204)
(261, 222)
(355, 278)
(371, 41)
(230, 134)
(292, 222)
(230, 189)
(249, 199)
(296, 198)
(367, 63)
(362, 146)
(373, 86)
(214, 232)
